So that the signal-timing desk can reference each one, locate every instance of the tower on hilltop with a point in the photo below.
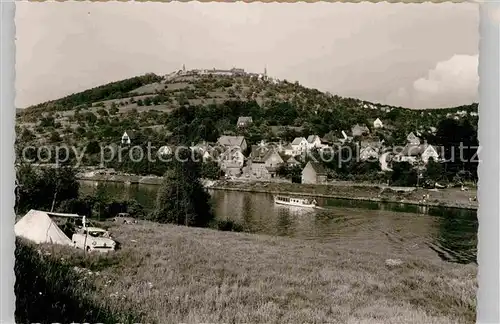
(183, 68)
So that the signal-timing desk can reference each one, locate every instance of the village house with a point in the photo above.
(429, 151)
(378, 123)
(290, 161)
(413, 153)
(288, 150)
(264, 162)
(299, 145)
(204, 149)
(409, 153)
(358, 130)
(233, 141)
(231, 161)
(127, 137)
(278, 146)
(314, 173)
(313, 141)
(215, 153)
(328, 139)
(368, 152)
(165, 150)
(412, 139)
(244, 122)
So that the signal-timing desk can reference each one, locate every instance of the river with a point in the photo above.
(450, 234)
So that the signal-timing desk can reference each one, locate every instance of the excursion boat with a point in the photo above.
(299, 202)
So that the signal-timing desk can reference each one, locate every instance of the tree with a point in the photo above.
(93, 147)
(54, 137)
(460, 144)
(46, 188)
(211, 170)
(182, 200)
(293, 173)
(434, 170)
(103, 113)
(80, 206)
(27, 135)
(101, 200)
(113, 110)
(403, 174)
(90, 118)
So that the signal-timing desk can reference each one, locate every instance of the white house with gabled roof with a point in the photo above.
(299, 145)
(127, 137)
(378, 123)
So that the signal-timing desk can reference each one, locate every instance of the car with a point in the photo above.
(93, 239)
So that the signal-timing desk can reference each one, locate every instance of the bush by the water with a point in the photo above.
(227, 225)
(48, 291)
(101, 208)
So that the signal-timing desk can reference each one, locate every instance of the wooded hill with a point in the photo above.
(187, 109)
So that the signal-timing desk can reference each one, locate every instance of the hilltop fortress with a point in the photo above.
(217, 72)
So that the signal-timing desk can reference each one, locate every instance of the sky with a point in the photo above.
(410, 55)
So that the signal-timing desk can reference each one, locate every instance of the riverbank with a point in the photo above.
(176, 274)
(120, 178)
(449, 197)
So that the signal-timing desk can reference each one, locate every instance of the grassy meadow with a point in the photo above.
(175, 274)
(48, 290)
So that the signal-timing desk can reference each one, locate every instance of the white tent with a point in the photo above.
(37, 226)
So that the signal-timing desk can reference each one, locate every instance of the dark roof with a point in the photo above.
(298, 140)
(289, 159)
(358, 129)
(227, 140)
(269, 153)
(311, 138)
(413, 150)
(258, 153)
(284, 156)
(261, 153)
(412, 136)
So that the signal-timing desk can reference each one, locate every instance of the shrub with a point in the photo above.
(227, 226)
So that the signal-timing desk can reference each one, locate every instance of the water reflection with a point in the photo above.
(450, 234)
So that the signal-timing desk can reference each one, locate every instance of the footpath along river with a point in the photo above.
(428, 232)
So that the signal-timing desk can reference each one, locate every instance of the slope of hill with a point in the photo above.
(196, 107)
